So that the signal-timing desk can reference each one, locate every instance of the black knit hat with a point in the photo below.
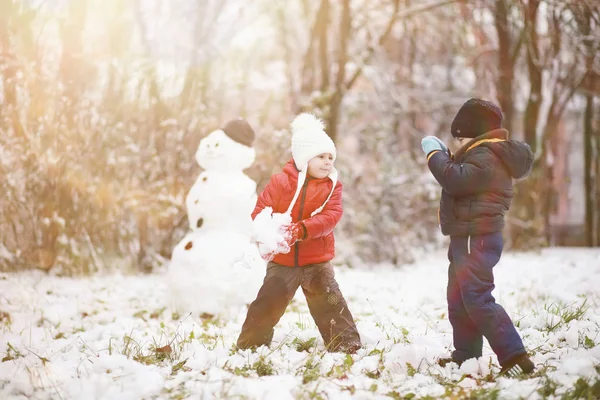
(475, 118)
(240, 130)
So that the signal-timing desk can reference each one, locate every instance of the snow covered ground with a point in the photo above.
(113, 337)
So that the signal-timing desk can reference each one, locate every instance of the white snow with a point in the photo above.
(269, 232)
(95, 338)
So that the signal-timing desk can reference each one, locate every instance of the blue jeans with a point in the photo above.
(472, 310)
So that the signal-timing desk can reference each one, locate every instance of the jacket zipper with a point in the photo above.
(296, 255)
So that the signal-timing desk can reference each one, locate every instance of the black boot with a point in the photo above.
(348, 348)
(442, 362)
(517, 366)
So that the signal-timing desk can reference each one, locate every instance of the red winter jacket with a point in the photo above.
(319, 245)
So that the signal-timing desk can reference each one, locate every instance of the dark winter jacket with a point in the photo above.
(318, 246)
(477, 182)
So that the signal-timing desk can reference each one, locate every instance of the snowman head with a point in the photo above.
(228, 148)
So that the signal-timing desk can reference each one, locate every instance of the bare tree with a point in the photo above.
(597, 170)
(588, 21)
(197, 79)
(555, 55)
(509, 44)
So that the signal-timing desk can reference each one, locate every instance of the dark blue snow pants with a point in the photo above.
(472, 309)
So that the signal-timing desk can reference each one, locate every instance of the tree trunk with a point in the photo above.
(413, 139)
(532, 111)
(588, 166)
(323, 50)
(549, 177)
(505, 63)
(592, 201)
(597, 173)
(527, 223)
(336, 101)
(308, 68)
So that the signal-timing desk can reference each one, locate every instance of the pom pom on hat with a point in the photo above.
(309, 140)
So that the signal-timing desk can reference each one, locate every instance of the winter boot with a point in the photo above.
(517, 366)
(349, 348)
(442, 362)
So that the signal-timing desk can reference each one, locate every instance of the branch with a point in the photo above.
(594, 15)
(517, 48)
(308, 62)
(323, 51)
(574, 87)
(396, 16)
(205, 21)
(287, 54)
(557, 108)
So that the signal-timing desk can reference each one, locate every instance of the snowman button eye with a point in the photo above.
(204, 179)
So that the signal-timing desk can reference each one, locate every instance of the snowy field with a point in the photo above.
(115, 338)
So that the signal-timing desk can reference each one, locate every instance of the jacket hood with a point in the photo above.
(516, 156)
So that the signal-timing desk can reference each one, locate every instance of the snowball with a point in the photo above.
(269, 232)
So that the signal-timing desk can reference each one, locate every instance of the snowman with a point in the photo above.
(216, 269)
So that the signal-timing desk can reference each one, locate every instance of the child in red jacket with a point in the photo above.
(307, 189)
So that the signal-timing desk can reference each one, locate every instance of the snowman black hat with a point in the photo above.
(240, 131)
(309, 140)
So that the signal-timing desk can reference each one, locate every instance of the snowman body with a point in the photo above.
(210, 204)
(215, 272)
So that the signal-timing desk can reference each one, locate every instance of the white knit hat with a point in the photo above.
(308, 141)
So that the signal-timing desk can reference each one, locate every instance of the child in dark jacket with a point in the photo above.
(476, 193)
(309, 189)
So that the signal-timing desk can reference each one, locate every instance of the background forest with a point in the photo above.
(103, 104)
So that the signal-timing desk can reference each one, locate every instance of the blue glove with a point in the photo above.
(431, 143)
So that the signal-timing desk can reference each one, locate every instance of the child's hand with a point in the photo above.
(432, 143)
(290, 234)
(293, 233)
